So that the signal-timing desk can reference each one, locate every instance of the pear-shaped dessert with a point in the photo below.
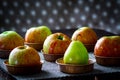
(76, 53)
(76, 59)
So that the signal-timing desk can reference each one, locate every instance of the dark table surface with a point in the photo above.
(50, 70)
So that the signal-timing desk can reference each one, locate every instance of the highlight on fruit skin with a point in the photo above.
(76, 53)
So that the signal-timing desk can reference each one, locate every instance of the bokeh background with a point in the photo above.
(20, 15)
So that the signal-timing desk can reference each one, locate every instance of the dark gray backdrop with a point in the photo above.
(19, 15)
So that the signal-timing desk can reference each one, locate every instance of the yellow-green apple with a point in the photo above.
(108, 46)
(37, 34)
(24, 55)
(76, 53)
(86, 35)
(10, 39)
(56, 43)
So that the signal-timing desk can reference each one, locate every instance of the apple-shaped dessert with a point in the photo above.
(75, 59)
(107, 50)
(55, 46)
(23, 60)
(8, 41)
(35, 36)
(87, 36)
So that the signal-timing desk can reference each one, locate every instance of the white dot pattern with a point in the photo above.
(39, 21)
(87, 9)
(15, 4)
(60, 14)
(22, 12)
(17, 21)
(97, 6)
(1, 12)
(37, 4)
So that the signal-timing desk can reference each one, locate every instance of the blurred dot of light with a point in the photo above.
(22, 12)
(26, 4)
(13, 28)
(59, 3)
(5, 3)
(61, 20)
(104, 14)
(57, 28)
(28, 21)
(65, 11)
(68, 27)
(7, 21)
(24, 29)
(116, 11)
(83, 18)
(44, 12)
(33, 13)
(90, 24)
(39, 21)
(80, 1)
(11, 12)
(55, 11)
(50, 20)
(101, 23)
(112, 21)
(48, 3)
(118, 1)
(94, 16)
(98, 7)
(69, 3)
(76, 10)
(118, 27)
(108, 29)
(1, 12)
(37, 4)
(15, 4)
(2, 29)
(91, 1)
(72, 19)
(87, 9)
(79, 25)
(17, 21)
(108, 4)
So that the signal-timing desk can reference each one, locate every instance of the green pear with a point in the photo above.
(76, 53)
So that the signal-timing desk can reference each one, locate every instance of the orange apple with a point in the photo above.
(24, 56)
(86, 35)
(10, 39)
(37, 34)
(56, 43)
(108, 46)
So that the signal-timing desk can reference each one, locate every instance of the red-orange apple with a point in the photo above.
(56, 43)
(108, 46)
(10, 39)
(37, 34)
(24, 55)
(86, 35)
